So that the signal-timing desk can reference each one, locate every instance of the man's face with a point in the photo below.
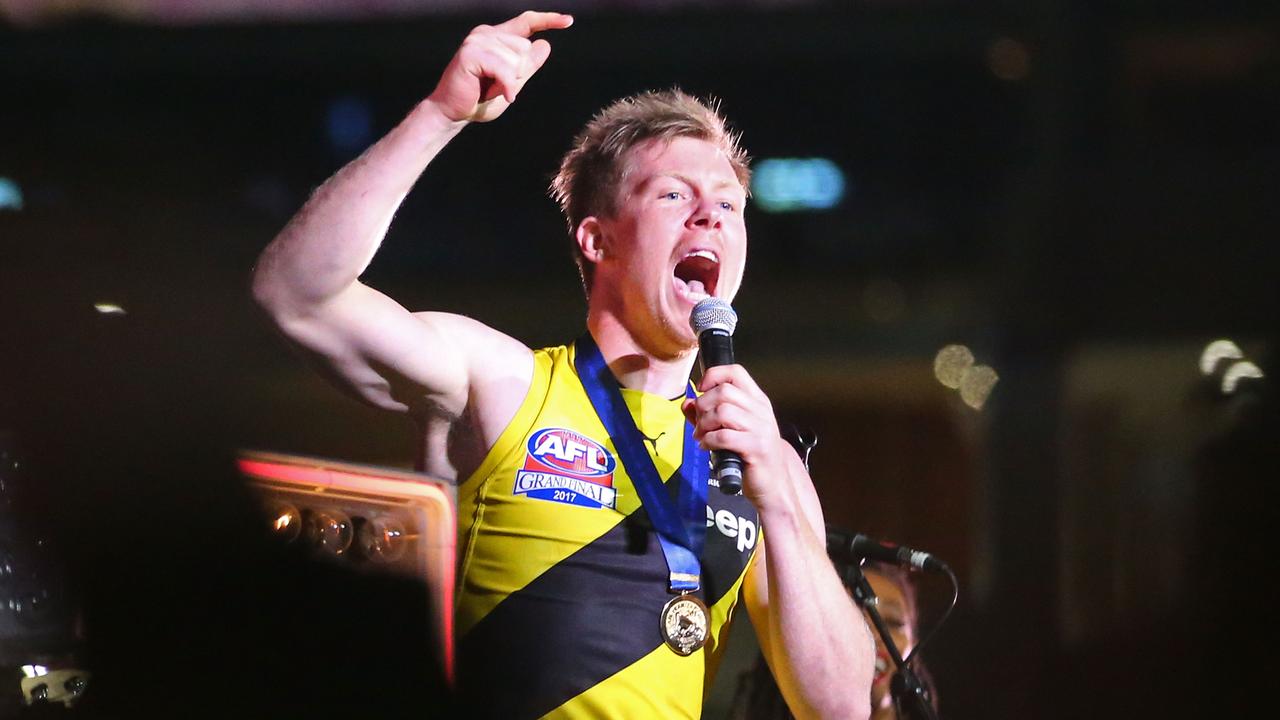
(677, 236)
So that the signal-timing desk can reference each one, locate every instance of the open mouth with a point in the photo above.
(882, 667)
(697, 273)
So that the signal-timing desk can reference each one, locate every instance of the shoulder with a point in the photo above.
(493, 371)
(489, 354)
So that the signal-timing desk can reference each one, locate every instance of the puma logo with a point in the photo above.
(653, 441)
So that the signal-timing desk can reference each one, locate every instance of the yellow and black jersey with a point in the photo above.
(562, 578)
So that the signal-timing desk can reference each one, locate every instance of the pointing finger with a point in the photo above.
(530, 22)
(515, 42)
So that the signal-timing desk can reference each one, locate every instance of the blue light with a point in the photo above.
(10, 195)
(797, 184)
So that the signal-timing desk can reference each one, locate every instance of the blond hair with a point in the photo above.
(592, 171)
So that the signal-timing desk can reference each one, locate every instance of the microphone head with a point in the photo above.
(712, 313)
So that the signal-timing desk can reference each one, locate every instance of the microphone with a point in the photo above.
(713, 320)
(847, 547)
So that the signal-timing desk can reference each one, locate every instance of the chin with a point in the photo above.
(682, 340)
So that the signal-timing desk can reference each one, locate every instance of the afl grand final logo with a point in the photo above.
(567, 467)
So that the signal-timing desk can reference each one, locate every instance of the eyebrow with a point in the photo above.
(733, 184)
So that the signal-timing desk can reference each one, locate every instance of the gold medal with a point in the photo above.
(684, 624)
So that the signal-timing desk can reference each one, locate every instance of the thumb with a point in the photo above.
(690, 410)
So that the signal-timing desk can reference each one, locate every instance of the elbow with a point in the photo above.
(279, 307)
(263, 287)
(269, 291)
(260, 292)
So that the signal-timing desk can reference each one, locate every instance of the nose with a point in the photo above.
(707, 215)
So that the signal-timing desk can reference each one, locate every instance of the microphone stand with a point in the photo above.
(905, 688)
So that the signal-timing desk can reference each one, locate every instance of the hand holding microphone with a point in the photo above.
(713, 321)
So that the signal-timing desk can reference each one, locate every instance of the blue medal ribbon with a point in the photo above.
(681, 524)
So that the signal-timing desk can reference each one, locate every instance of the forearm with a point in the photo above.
(818, 646)
(823, 653)
(327, 245)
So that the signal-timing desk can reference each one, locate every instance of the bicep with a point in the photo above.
(393, 358)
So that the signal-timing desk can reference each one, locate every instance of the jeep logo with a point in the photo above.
(733, 526)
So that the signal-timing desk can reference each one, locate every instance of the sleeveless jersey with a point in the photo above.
(562, 578)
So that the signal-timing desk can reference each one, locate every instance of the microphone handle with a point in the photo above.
(715, 349)
(853, 548)
(726, 468)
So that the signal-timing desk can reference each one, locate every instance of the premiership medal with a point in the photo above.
(684, 624)
(680, 522)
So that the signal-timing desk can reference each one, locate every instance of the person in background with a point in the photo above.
(757, 696)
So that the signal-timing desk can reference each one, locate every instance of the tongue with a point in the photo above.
(695, 286)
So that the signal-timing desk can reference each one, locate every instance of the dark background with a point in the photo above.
(1083, 193)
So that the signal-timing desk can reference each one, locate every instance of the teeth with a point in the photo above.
(704, 254)
(881, 665)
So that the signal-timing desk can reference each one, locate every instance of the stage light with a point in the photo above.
(950, 365)
(797, 184)
(64, 685)
(1237, 372)
(954, 367)
(403, 523)
(382, 540)
(286, 523)
(1217, 351)
(109, 309)
(330, 532)
(10, 195)
(976, 385)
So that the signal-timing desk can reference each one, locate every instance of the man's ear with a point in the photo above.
(591, 240)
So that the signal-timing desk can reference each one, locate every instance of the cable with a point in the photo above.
(955, 596)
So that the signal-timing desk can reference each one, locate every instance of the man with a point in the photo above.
(585, 592)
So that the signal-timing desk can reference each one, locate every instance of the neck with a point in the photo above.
(636, 366)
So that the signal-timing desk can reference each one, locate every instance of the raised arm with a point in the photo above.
(307, 279)
(811, 633)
